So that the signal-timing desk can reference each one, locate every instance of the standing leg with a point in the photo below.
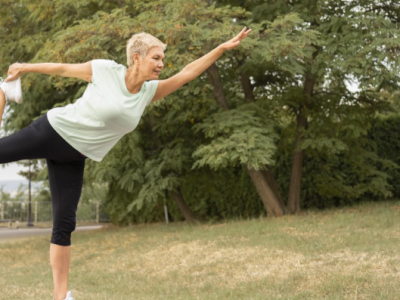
(65, 165)
(66, 179)
(59, 261)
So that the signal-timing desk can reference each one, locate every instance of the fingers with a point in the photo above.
(237, 39)
(243, 33)
(11, 77)
(13, 73)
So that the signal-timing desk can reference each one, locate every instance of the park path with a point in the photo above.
(7, 234)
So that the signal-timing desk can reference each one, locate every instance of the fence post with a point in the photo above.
(36, 204)
(97, 212)
(166, 212)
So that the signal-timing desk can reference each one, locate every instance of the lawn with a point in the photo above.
(350, 253)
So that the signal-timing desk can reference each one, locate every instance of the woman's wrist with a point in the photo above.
(24, 68)
(221, 48)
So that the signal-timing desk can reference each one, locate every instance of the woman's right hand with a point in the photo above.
(14, 71)
(236, 40)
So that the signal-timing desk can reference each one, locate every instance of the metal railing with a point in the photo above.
(42, 212)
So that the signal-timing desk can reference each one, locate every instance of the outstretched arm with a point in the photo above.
(81, 71)
(194, 69)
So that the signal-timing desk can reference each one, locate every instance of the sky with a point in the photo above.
(9, 172)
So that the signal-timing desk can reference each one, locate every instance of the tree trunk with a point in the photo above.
(249, 95)
(297, 165)
(272, 184)
(298, 155)
(267, 196)
(218, 91)
(247, 88)
(183, 207)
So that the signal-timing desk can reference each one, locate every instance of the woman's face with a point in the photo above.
(152, 64)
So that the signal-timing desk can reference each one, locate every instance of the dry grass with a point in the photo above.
(339, 254)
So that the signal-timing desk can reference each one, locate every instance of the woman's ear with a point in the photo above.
(136, 58)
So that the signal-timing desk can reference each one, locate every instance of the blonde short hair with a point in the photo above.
(141, 43)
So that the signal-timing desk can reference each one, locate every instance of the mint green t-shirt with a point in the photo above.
(105, 112)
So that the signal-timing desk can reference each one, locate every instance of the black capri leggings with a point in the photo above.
(65, 165)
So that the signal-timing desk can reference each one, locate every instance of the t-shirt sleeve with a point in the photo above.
(151, 89)
(100, 69)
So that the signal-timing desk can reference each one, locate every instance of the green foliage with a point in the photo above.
(224, 194)
(286, 42)
(237, 136)
(212, 195)
(384, 133)
(336, 178)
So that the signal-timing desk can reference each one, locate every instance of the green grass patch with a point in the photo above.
(350, 253)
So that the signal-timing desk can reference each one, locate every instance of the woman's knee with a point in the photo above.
(62, 237)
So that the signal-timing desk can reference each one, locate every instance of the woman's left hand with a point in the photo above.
(236, 40)
(14, 71)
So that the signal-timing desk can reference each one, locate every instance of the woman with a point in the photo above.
(111, 106)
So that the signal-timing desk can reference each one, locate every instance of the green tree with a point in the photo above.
(354, 41)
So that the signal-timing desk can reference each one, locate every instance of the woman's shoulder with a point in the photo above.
(106, 63)
(103, 69)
